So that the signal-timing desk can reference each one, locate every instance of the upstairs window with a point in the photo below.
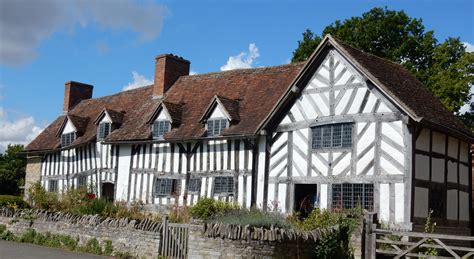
(216, 126)
(348, 196)
(167, 187)
(104, 130)
(332, 136)
(67, 139)
(224, 185)
(160, 128)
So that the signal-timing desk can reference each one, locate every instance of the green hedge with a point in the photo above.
(13, 201)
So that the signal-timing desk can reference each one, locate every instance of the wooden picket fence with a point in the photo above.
(174, 240)
(400, 244)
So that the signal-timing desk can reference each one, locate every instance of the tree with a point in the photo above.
(12, 170)
(446, 69)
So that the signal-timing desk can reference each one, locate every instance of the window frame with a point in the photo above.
(194, 185)
(55, 185)
(213, 131)
(331, 148)
(224, 192)
(367, 188)
(106, 133)
(156, 123)
(71, 139)
(80, 179)
(174, 189)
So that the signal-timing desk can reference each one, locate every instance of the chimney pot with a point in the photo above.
(74, 93)
(168, 68)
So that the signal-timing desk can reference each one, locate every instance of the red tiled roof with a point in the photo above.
(257, 90)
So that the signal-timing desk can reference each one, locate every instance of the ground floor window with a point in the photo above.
(224, 185)
(82, 181)
(194, 185)
(53, 186)
(351, 195)
(167, 187)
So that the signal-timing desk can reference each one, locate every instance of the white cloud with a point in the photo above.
(243, 60)
(138, 81)
(469, 46)
(17, 131)
(192, 72)
(24, 24)
(466, 107)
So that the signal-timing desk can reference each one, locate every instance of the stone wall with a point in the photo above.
(126, 235)
(33, 172)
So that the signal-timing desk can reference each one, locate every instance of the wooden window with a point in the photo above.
(194, 185)
(216, 126)
(53, 186)
(67, 139)
(104, 130)
(160, 128)
(167, 187)
(224, 185)
(332, 136)
(351, 195)
(82, 181)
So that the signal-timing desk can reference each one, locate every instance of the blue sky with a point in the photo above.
(112, 44)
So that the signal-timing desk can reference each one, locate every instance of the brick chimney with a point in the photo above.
(168, 68)
(74, 93)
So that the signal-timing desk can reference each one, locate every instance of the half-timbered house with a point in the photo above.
(342, 129)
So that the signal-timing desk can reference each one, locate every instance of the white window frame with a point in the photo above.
(67, 139)
(212, 131)
(102, 131)
(194, 185)
(156, 133)
(172, 185)
(350, 198)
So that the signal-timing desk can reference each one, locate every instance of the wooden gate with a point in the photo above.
(174, 240)
(400, 244)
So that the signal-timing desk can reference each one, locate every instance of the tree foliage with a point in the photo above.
(12, 170)
(446, 69)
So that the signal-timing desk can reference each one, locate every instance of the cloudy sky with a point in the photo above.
(112, 43)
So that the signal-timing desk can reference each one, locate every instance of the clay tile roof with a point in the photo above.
(256, 89)
(115, 116)
(406, 89)
(231, 106)
(79, 122)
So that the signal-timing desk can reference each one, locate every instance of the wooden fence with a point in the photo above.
(401, 244)
(174, 240)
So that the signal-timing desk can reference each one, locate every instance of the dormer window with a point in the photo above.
(67, 139)
(216, 126)
(160, 128)
(103, 130)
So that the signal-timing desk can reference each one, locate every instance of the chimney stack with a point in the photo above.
(74, 93)
(168, 68)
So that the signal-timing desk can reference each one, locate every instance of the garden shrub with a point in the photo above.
(108, 247)
(93, 247)
(15, 202)
(208, 208)
(253, 217)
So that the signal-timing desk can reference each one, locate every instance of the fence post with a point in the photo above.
(164, 236)
(368, 235)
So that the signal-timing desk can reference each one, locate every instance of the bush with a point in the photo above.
(254, 217)
(208, 208)
(39, 198)
(15, 202)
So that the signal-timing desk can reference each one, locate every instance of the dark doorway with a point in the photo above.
(108, 191)
(305, 198)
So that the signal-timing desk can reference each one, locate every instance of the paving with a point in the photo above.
(9, 250)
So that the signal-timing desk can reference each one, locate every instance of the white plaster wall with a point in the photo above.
(123, 173)
(69, 127)
(384, 195)
(217, 112)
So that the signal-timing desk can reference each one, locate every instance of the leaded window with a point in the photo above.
(216, 126)
(82, 181)
(194, 185)
(351, 195)
(67, 139)
(167, 187)
(53, 186)
(224, 185)
(104, 130)
(160, 128)
(332, 136)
